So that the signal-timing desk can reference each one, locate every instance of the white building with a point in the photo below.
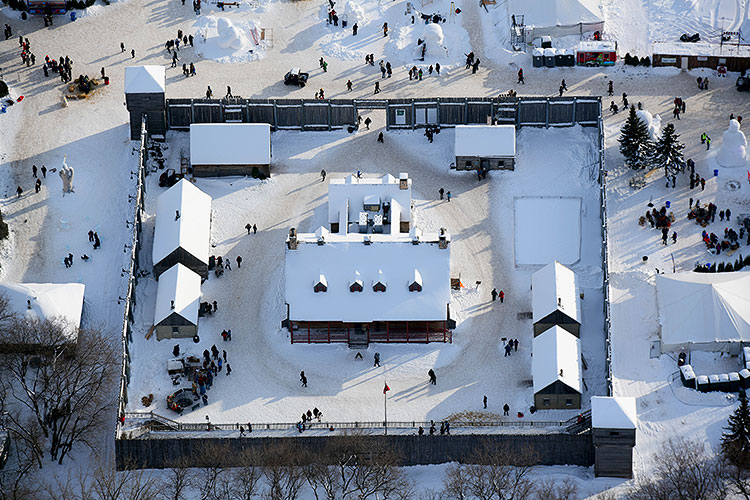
(556, 370)
(554, 299)
(369, 282)
(177, 301)
(183, 229)
(61, 303)
(704, 311)
(486, 147)
(230, 149)
(558, 17)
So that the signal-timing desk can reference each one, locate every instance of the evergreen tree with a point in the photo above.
(735, 443)
(635, 143)
(667, 152)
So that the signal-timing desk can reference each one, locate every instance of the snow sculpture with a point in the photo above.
(432, 36)
(354, 13)
(66, 175)
(733, 146)
(229, 36)
(652, 122)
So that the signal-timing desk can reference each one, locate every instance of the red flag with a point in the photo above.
(386, 388)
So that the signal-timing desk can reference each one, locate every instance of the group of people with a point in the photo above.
(472, 62)
(430, 131)
(702, 83)
(679, 107)
(219, 264)
(510, 346)
(445, 428)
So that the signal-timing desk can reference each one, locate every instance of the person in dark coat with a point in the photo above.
(484, 401)
(97, 242)
(239, 262)
(380, 137)
(433, 377)
(515, 345)
(441, 191)
(494, 294)
(506, 409)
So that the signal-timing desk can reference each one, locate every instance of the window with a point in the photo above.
(614, 433)
(568, 402)
(468, 163)
(546, 402)
(500, 164)
(175, 330)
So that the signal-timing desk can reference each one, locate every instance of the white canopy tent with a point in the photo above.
(704, 311)
(559, 17)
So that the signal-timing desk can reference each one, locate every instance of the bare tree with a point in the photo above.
(130, 484)
(323, 479)
(175, 482)
(682, 469)
(67, 389)
(247, 476)
(19, 477)
(283, 472)
(550, 489)
(456, 483)
(212, 480)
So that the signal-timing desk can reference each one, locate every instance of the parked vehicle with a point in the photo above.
(295, 76)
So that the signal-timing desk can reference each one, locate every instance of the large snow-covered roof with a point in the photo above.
(553, 352)
(700, 49)
(703, 308)
(46, 301)
(230, 144)
(191, 230)
(486, 140)
(556, 12)
(344, 259)
(613, 412)
(183, 286)
(354, 191)
(553, 287)
(145, 80)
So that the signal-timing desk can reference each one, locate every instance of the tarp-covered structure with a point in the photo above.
(558, 17)
(704, 311)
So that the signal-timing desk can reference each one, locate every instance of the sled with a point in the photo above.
(456, 284)
(254, 33)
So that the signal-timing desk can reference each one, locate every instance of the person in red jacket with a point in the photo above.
(502, 296)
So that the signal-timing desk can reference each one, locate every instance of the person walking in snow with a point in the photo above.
(322, 175)
(610, 88)
(33, 170)
(474, 68)
(132, 54)
(515, 345)
(91, 236)
(433, 377)
(380, 137)
(494, 294)
(520, 76)
(229, 369)
(441, 191)
(625, 100)
(448, 196)
(506, 410)
(239, 262)
(38, 185)
(227, 265)
(563, 85)
(97, 243)
(303, 378)
(209, 92)
(174, 59)
(349, 85)
(674, 237)
(229, 93)
(377, 88)
(255, 229)
(355, 27)
(249, 228)
(19, 191)
(501, 294)
(368, 121)
(377, 359)
(484, 401)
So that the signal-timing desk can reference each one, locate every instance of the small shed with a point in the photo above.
(486, 147)
(537, 57)
(596, 53)
(145, 89)
(183, 227)
(556, 370)
(614, 420)
(177, 301)
(554, 299)
(549, 57)
(218, 149)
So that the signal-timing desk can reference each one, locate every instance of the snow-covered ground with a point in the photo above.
(93, 134)
(264, 386)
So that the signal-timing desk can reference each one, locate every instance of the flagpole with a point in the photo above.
(385, 409)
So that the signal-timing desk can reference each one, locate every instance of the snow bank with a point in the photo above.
(733, 147)
(353, 12)
(652, 122)
(227, 41)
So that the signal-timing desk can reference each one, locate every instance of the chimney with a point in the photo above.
(403, 180)
(171, 304)
(443, 239)
(176, 214)
(291, 241)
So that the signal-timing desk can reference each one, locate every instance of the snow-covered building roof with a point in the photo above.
(486, 140)
(230, 144)
(707, 310)
(613, 412)
(190, 230)
(556, 356)
(47, 301)
(178, 292)
(553, 288)
(556, 12)
(350, 194)
(344, 259)
(596, 46)
(145, 80)
(704, 49)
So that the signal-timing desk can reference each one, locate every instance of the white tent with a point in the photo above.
(183, 226)
(559, 17)
(556, 356)
(145, 80)
(613, 412)
(706, 311)
(554, 298)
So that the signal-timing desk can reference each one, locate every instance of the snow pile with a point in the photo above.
(447, 43)
(432, 37)
(733, 147)
(227, 41)
(354, 13)
(652, 122)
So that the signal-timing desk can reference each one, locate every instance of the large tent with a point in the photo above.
(705, 311)
(558, 17)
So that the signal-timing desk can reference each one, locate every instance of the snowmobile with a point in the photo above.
(690, 38)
